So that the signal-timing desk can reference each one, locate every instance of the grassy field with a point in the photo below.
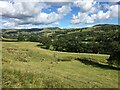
(26, 65)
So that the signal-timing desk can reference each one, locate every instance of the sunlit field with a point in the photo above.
(26, 65)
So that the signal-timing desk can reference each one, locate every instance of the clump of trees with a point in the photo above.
(104, 39)
(104, 42)
(115, 50)
(28, 37)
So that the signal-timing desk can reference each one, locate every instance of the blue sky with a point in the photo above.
(75, 14)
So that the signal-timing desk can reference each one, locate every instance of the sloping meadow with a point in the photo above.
(25, 65)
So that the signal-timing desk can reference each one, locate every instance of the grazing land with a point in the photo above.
(59, 44)
(26, 65)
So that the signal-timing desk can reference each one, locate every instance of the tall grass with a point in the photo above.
(25, 65)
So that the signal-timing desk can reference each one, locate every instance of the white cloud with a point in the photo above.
(21, 10)
(6, 8)
(114, 0)
(95, 13)
(60, 1)
(114, 10)
(47, 18)
(82, 18)
(44, 18)
(9, 24)
(84, 5)
(64, 9)
(23, 13)
(56, 23)
(93, 10)
(86, 18)
(28, 13)
(102, 16)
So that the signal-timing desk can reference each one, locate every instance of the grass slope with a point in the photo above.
(25, 65)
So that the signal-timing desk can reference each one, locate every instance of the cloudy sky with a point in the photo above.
(58, 13)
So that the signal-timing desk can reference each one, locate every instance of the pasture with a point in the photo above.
(26, 65)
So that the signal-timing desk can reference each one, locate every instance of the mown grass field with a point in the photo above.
(26, 65)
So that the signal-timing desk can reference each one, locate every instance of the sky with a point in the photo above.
(57, 13)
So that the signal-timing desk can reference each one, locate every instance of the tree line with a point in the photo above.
(103, 39)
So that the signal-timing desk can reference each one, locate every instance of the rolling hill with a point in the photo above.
(26, 65)
(56, 57)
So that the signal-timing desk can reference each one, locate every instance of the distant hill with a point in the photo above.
(103, 27)
(11, 31)
(88, 33)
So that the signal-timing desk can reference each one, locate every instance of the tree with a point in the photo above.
(21, 37)
(114, 58)
(115, 50)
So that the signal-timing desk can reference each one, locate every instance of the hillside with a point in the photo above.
(26, 65)
(61, 58)
(88, 32)
(57, 29)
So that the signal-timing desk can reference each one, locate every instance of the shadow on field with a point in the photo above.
(41, 46)
(9, 40)
(96, 64)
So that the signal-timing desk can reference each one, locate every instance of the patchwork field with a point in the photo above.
(26, 65)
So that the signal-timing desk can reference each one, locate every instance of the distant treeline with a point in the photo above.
(104, 39)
